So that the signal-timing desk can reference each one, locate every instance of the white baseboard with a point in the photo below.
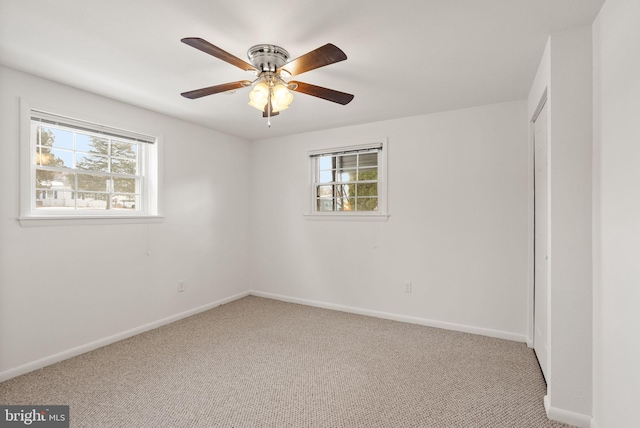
(567, 416)
(52, 359)
(396, 317)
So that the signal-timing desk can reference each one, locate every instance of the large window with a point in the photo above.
(79, 168)
(349, 180)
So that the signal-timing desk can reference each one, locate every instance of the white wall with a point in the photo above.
(64, 287)
(565, 73)
(616, 368)
(458, 225)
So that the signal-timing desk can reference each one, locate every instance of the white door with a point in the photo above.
(541, 254)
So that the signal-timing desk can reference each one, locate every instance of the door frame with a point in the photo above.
(531, 220)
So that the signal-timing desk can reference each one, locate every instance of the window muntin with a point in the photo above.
(347, 181)
(79, 168)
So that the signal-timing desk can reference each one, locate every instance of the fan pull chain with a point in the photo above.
(269, 108)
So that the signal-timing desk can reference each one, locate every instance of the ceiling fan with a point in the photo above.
(271, 93)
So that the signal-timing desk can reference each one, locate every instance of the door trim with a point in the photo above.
(531, 220)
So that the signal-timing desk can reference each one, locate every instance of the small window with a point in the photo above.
(79, 168)
(349, 180)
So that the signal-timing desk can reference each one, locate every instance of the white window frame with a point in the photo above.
(149, 164)
(381, 214)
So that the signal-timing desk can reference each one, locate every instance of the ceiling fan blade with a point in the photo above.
(216, 89)
(207, 47)
(320, 92)
(324, 55)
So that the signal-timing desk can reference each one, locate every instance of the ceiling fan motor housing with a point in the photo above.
(267, 58)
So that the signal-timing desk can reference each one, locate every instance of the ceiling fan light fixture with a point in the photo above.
(275, 108)
(264, 91)
(281, 97)
(259, 96)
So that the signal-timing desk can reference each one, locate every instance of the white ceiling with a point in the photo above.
(405, 57)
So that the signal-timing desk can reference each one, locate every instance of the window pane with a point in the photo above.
(368, 159)
(368, 174)
(325, 204)
(123, 166)
(346, 190)
(53, 157)
(325, 192)
(124, 150)
(92, 162)
(55, 180)
(326, 176)
(125, 185)
(52, 137)
(368, 189)
(325, 162)
(94, 183)
(92, 144)
(345, 204)
(41, 195)
(367, 204)
(348, 175)
(62, 158)
(125, 202)
(55, 199)
(93, 201)
(347, 161)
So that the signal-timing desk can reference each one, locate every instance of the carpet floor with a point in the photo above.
(257, 362)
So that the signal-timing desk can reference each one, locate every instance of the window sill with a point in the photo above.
(336, 216)
(37, 221)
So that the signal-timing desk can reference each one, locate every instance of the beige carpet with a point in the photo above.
(257, 362)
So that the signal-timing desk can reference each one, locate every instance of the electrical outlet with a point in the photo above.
(407, 287)
(180, 286)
